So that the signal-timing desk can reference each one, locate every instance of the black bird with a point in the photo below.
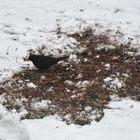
(44, 62)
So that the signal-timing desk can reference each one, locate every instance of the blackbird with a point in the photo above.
(44, 62)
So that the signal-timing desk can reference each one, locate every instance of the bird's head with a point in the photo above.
(30, 56)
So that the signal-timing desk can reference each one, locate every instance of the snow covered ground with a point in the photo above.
(121, 123)
(26, 24)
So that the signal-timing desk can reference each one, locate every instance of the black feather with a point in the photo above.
(44, 62)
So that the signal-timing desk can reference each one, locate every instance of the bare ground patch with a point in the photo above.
(78, 92)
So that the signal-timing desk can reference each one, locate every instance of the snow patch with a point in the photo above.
(31, 85)
(11, 128)
(44, 104)
(113, 84)
(69, 82)
(107, 66)
(88, 109)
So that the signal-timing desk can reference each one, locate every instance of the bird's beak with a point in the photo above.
(25, 58)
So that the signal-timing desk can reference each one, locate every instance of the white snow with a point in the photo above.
(10, 126)
(31, 85)
(116, 83)
(113, 83)
(107, 66)
(69, 82)
(107, 79)
(42, 104)
(88, 108)
(73, 57)
(121, 122)
(27, 24)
